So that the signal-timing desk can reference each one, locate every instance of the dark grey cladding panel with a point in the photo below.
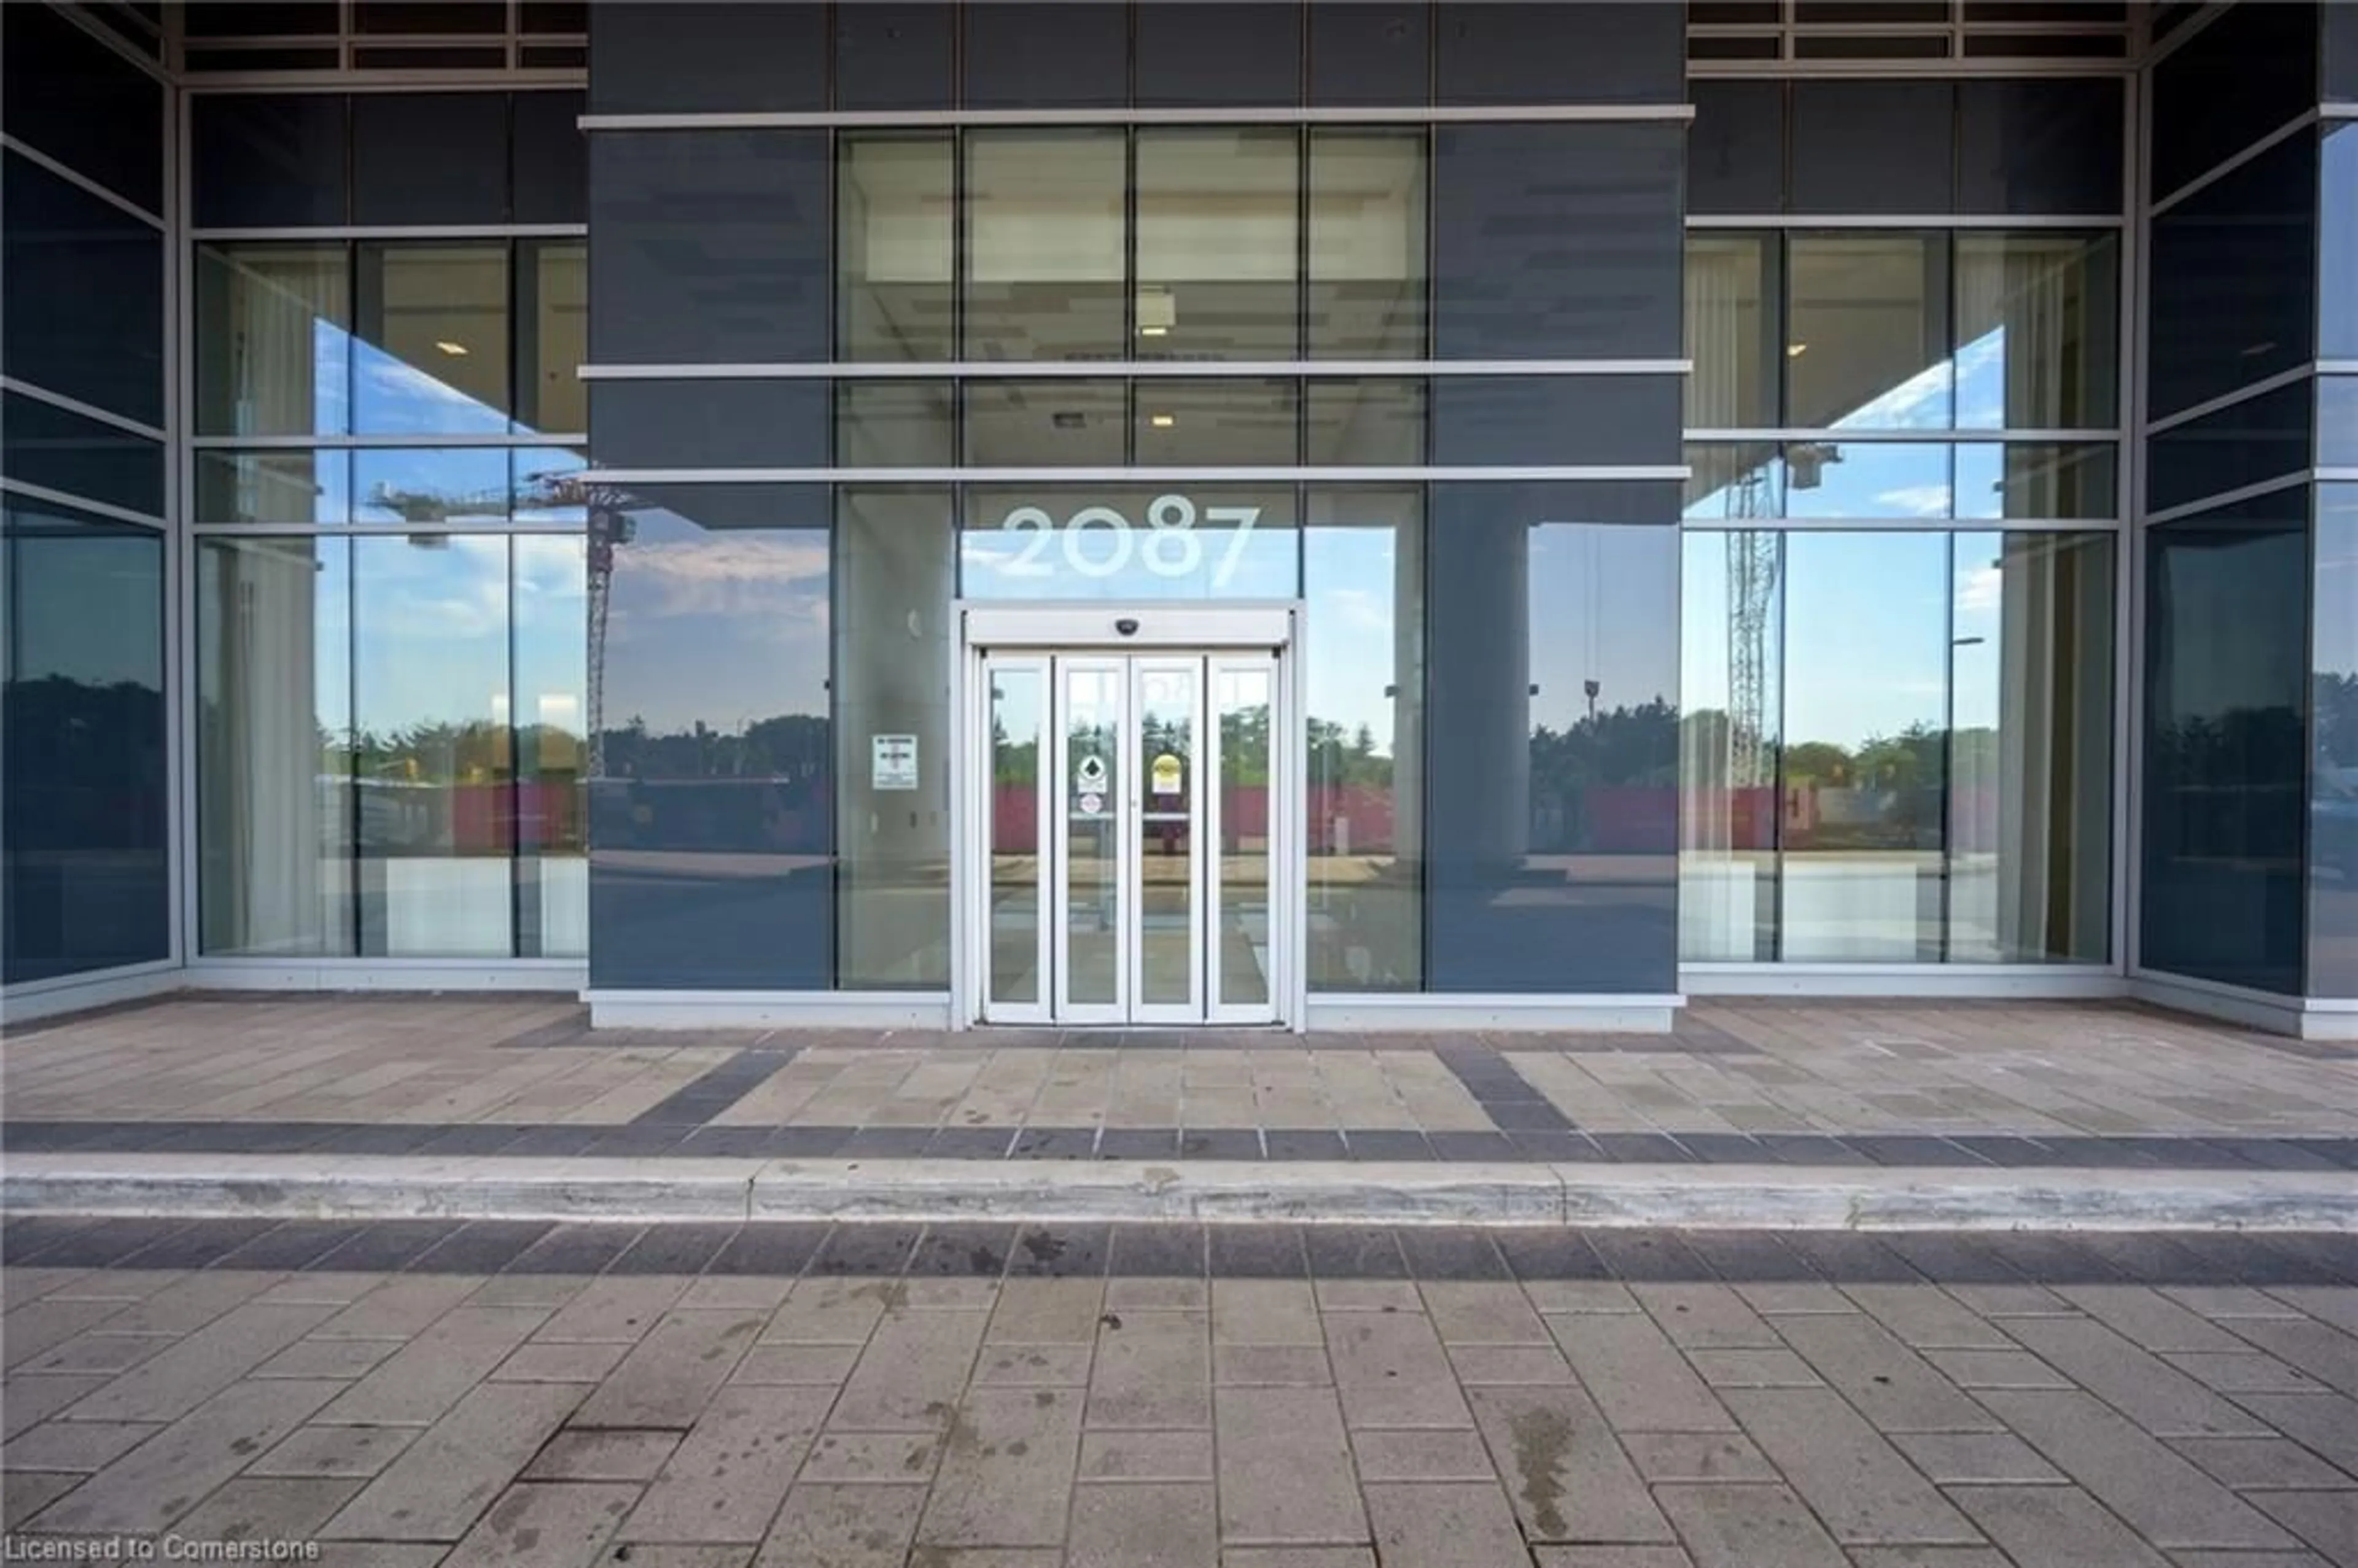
(647, 59)
(1190, 54)
(707, 246)
(1032, 55)
(896, 57)
(1552, 738)
(708, 424)
(550, 159)
(1510, 420)
(1874, 146)
(2041, 146)
(1736, 149)
(2338, 64)
(68, 96)
(1558, 241)
(711, 842)
(1508, 53)
(1373, 54)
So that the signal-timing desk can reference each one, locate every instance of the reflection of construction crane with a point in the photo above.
(437, 505)
(610, 524)
(1752, 600)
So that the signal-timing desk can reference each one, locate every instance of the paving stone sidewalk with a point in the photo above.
(1246, 1397)
(1757, 1082)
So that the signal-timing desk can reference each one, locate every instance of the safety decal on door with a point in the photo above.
(1165, 775)
(1088, 787)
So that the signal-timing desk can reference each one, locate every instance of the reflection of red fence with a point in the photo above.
(1344, 819)
(470, 819)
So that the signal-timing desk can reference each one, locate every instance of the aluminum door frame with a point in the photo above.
(1063, 1009)
(1195, 669)
(1041, 631)
(980, 727)
(1283, 742)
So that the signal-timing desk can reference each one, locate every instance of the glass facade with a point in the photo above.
(1882, 683)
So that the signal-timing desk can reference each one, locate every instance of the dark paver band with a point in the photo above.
(697, 1102)
(990, 1250)
(653, 1137)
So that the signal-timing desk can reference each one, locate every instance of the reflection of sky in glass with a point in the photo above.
(90, 602)
(1981, 382)
(1978, 603)
(1869, 479)
(390, 395)
(432, 618)
(1351, 585)
(722, 627)
(1865, 638)
(1598, 595)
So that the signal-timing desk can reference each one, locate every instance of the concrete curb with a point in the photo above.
(657, 1191)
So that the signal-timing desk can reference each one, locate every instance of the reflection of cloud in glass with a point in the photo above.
(719, 627)
(1980, 381)
(1921, 402)
(396, 397)
(1916, 501)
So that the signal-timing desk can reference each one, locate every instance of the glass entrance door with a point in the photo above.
(1127, 838)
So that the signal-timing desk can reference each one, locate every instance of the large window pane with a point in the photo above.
(2040, 480)
(1061, 423)
(1363, 577)
(432, 356)
(1088, 542)
(1732, 686)
(2333, 772)
(1044, 242)
(1218, 217)
(895, 424)
(273, 339)
(81, 286)
(394, 485)
(1872, 479)
(1868, 331)
(2225, 766)
(2038, 322)
(432, 764)
(1732, 302)
(1363, 420)
(274, 747)
(1735, 481)
(1187, 423)
(550, 600)
(273, 487)
(1368, 235)
(2030, 728)
(1867, 663)
(552, 337)
(896, 576)
(84, 801)
(894, 214)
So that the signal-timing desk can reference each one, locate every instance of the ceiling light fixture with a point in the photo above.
(1795, 351)
(1155, 332)
(1163, 421)
(447, 346)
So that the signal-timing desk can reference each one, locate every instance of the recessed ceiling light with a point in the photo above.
(1795, 351)
(1155, 332)
(1163, 421)
(448, 347)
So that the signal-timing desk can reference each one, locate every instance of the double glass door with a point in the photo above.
(1128, 833)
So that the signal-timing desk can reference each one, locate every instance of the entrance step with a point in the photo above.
(650, 1191)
